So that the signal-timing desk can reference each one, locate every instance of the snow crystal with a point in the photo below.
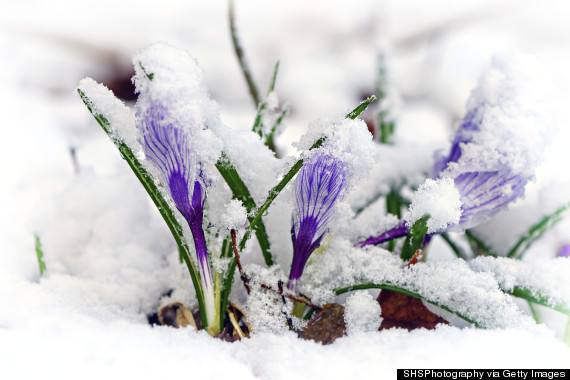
(451, 284)
(265, 311)
(441, 200)
(121, 118)
(547, 278)
(361, 313)
(235, 215)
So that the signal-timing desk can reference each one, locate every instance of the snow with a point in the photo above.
(235, 215)
(361, 313)
(510, 108)
(451, 284)
(111, 261)
(440, 199)
(121, 119)
(548, 278)
(178, 85)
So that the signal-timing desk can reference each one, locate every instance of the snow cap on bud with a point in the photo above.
(501, 140)
(498, 145)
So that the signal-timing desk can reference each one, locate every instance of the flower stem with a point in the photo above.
(396, 232)
(209, 289)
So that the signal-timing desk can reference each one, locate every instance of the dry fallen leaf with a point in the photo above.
(326, 326)
(176, 315)
(400, 310)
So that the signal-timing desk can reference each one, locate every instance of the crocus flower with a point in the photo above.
(483, 193)
(169, 147)
(318, 188)
(496, 148)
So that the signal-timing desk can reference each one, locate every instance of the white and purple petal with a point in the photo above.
(318, 188)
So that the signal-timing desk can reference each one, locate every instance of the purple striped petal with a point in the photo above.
(169, 147)
(483, 194)
(463, 135)
(318, 188)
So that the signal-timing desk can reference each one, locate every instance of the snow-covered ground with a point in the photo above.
(110, 258)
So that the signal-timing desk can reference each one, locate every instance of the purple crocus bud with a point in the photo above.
(318, 189)
(170, 149)
(497, 146)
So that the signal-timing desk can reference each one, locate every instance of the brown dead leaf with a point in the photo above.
(176, 315)
(327, 326)
(400, 310)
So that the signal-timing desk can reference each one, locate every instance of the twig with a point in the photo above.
(304, 301)
(288, 318)
(243, 276)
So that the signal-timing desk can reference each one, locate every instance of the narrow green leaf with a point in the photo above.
(459, 252)
(273, 193)
(241, 192)
(273, 78)
(150, 76)
(269, 140)
(394, 203)
(535, 232)
(258, 126)
(405, 291)
(361, 108)
(240, 54)
(386, 126)
(163, 207)
(386, 129)
(534, 312)
(309, 314)
(227, 281)
(415, 238)
(478, 246)
(227, 248)
(261, 109)
(40, 255)
(537, 298)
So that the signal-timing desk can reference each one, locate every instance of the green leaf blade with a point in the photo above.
(415, 238)
(399, 289)
(535, 232)
(40, 255)
(241, 193)
(537, 299)
(361, 108)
